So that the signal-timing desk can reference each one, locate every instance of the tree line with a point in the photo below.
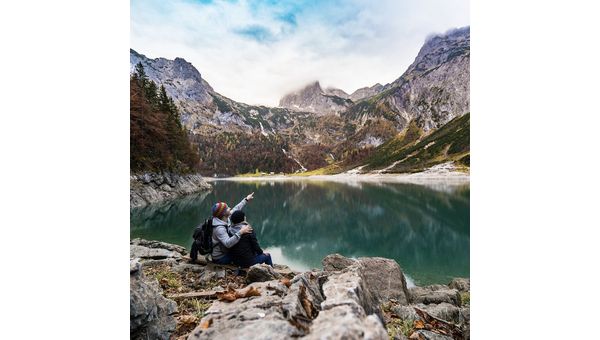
(158, 141)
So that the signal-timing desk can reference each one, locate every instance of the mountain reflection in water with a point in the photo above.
(425, 228)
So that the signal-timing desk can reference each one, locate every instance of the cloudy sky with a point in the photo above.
(257, 51)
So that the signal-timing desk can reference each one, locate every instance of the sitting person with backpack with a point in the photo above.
(213, 238)
(220, 236)
(246, 252)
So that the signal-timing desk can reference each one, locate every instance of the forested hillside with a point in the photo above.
(158, 141)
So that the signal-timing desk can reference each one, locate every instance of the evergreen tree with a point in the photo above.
(163, 100)
(140, 74)
(151, 92)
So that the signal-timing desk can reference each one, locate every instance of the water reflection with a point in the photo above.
(425, 229)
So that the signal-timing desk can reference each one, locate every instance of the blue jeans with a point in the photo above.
(226, 259)
(263, 258)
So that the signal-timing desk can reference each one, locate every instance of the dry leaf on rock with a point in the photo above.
(231, 294)
(206, 323)
(285, 281)
(419, 324)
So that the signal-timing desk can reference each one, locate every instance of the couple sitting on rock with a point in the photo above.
(235, 242)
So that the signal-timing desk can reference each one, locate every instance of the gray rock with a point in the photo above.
(152, 188)
(349, 288)
(346, 322)
(158, 244)
(319, 305)
(284, 270)
(151, 314)
(460, 284)
(385, 279)
(350, 310)
(211, 272)
(261, 272)
(134, 266)
(465, 315)
(406, 312)
(383, 276)
(186, 267)
(434, 294)
(444, 311)
(428, 335)
(465, 320)
(335, 262)
(152, 253)
(262, 317)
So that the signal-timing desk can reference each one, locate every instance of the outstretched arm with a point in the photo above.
(243, 203)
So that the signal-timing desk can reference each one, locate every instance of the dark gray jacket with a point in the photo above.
(220, 238)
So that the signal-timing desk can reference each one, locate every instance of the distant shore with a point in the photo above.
(435, 174)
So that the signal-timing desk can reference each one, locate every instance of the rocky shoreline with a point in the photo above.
(150, 188)
(364, 298)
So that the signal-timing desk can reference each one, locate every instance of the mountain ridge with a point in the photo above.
(431, 92)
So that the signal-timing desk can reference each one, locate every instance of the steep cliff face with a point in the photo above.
(182, 81)
(312, 98)
(435, 88)
(432, 91)
(365, 92)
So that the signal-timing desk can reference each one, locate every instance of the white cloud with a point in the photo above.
(255, 53)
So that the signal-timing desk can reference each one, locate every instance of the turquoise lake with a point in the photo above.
(425, 228)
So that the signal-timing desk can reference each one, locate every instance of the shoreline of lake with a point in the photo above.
(416, 178)
(149, 188)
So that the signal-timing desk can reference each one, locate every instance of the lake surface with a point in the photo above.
(425, 228)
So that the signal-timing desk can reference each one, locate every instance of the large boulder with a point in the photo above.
(346, 322)
(444, 311)
(460, 284)
(434, 294)
(150, 314)
(335, 262)
(155, 250)
(278, 313)
(158, 244)
(261, 272)
(384, 277)
(150, 188)
(316, 305)
(350, 309)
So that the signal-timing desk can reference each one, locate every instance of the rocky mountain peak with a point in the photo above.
(182, 81)
(312, 98)
(337, 92)
(439, 49)
(365, 92)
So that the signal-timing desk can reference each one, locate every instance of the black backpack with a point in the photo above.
(202, 240)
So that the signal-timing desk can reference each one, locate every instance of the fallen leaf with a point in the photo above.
(251, 291)
(206, 323)
(419, 324)
(286, 282)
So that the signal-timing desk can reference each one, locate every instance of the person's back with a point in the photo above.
(247, 251)
(244, 252)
